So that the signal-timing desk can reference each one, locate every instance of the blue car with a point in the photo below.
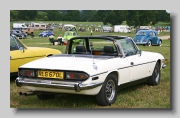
(147, 37)
(46, 33)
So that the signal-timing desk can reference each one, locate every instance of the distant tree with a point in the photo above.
(27, 14)
(114, 17)
(163, 16)
(72, 15)
(100, 14)
(53, 15)
(93, 15)
(132, 18)
(13, 15)
(141, 17)
(42, 16)
(87, 15)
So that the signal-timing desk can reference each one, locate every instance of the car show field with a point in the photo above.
(138, 96)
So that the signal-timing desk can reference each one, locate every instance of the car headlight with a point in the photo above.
(27, 73)
(76, 75)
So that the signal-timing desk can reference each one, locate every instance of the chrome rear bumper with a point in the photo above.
(163, 66)
(77, 86)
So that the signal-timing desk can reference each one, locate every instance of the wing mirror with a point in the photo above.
(21, 49)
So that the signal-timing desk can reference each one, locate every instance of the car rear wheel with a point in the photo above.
(149, 43)
(108, 92)
(45, 96)
(155, 78)
(160, 43)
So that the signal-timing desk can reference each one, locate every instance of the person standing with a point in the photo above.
(51, 39)
(91, 32)
(60, 39)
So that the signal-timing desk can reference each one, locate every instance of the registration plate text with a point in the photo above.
(50, 74)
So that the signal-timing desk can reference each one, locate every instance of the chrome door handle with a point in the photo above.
(10, 57)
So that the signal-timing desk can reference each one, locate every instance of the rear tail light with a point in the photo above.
(76, 75)
(27, 73)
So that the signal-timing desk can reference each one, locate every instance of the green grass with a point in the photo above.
(138, 96)
(163, 24)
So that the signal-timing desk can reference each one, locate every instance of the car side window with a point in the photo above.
(150, 33)
(78, 42)
(128, 47)
(14, 44)
(154, 34)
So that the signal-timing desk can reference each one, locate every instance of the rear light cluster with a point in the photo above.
(27, 73)
(69, 75)
(76, 75)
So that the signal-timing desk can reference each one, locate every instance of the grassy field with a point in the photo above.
(138, 96)
(163, 24)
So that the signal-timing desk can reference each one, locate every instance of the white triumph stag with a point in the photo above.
(97, 65)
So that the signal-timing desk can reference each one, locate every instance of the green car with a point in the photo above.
(70, 34)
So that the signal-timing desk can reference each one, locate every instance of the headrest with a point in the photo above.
(80, 49)
(108, 49)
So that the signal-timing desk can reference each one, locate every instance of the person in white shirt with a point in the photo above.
(60, 39)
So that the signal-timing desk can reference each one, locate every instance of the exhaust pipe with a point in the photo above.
(21, 93)
(26, 93)
(29, 93)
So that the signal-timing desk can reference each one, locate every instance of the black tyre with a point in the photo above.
(155, 78)
(45, 96)
(149, 43)
(108, 92)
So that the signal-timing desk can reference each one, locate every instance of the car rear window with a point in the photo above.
(141, 33)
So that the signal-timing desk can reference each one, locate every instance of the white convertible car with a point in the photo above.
(95, 66)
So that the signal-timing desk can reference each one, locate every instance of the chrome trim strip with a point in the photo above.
(141, 43)
(77, 86)
(98, 74)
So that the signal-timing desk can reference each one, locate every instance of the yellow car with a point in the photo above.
(21, 54)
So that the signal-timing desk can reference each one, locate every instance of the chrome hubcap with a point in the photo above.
(110, 90)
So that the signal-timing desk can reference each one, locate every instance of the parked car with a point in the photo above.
(70, 34)
(94, 67)
(107, 28)
(21, 54)
(28, 30)
(51, 28)
(147, 37)
(18, 33)
(160, 28)
(46, 33)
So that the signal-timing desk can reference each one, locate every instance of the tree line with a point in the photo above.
(111, 17)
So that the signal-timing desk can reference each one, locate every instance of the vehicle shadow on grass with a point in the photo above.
(130, 88)
(75, 101)
(13, 78)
